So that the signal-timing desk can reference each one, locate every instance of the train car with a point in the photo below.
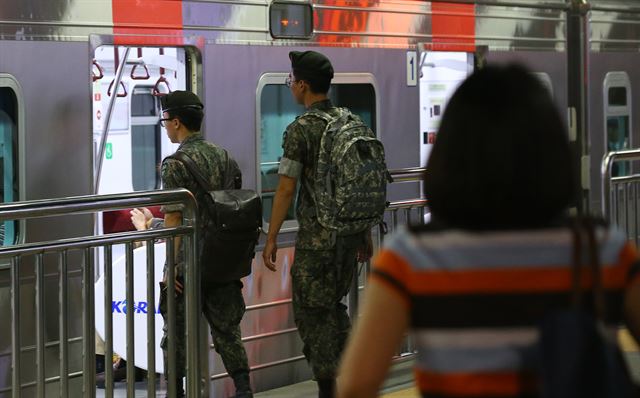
(79, 115)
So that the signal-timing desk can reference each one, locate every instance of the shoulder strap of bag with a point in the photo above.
(191, 168)
(584, 227)
(232, 180)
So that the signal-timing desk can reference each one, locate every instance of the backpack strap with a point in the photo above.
(232, 173)
(192, 168)
(584, 227)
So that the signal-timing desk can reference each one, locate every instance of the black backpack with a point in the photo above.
(228, 241)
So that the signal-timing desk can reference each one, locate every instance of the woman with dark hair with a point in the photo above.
(473, 283)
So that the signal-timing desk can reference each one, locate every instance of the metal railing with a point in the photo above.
(399, 212)
(19, 255)
(620, 195)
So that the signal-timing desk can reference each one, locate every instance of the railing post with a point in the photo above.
(89, 326)
(16, 346)
(193, 304)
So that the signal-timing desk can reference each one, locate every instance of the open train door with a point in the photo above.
(129, 145)
(439, 73)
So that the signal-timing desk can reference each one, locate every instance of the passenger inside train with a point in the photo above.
(496, 259)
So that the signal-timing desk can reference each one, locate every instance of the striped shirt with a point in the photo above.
(475, 299)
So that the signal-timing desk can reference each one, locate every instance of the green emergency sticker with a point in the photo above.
(109, 151)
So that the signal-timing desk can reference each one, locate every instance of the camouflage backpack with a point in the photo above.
(351, 175)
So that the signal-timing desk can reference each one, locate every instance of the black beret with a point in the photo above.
(309, 64)
(180, 100)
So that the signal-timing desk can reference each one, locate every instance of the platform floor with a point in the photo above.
(399, 384)
(309, 389)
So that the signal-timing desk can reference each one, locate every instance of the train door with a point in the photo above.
(617, 117)
(129, 145)
(440, 73)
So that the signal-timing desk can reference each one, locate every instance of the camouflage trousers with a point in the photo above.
(223, 307)
(320, 279)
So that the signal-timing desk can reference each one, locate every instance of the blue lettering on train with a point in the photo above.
(139, 307)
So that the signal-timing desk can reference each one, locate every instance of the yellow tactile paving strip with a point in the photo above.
(408, 393)
(626, 341)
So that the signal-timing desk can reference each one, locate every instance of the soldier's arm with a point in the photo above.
(290, 170)
(174, 175)
(281, 203)
(174, 219)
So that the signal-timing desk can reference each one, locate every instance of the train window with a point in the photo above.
(290, 20)
(145, 139)
(9, 125)
(617, 117)
(276, 108)
(143, 103)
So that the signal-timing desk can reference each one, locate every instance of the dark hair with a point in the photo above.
(318, 84)
(501, 157)
(190, 117)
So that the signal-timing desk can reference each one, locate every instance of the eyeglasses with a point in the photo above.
(289, 81)
(163, 122)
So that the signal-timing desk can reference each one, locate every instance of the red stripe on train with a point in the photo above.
(453, 27)
(147, 22)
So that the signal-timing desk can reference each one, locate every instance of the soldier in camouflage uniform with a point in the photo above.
(222, 304)
(324, 265)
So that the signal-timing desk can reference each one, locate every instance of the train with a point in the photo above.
(80, 82)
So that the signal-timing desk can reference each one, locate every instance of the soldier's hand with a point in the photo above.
(178, 286)
(140, 218)
(269, 254)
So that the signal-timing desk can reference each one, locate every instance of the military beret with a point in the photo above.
(311, 64)
(180, 100)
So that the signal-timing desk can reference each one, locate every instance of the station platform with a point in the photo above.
(309, 389)
(399, 384)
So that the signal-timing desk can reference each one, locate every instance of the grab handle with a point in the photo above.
(143, 77)
(120, 95)
(156, 92)
(95, 77)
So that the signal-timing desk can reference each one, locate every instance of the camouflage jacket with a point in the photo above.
(209, 158)
(301, 144)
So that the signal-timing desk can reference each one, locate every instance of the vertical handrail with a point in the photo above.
(194, 338)
(107, 122)
(89, 326)
(151, 319)
(108, 321)
(171, 314)
(131, 369)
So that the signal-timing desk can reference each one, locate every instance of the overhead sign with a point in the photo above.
(412, 68)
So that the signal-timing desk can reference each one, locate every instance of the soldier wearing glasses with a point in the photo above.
(323, 266)
(222, 304)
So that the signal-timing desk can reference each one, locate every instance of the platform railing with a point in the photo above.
(621, 194)
(19, 256)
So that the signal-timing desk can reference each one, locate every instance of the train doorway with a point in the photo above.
(129, 144)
